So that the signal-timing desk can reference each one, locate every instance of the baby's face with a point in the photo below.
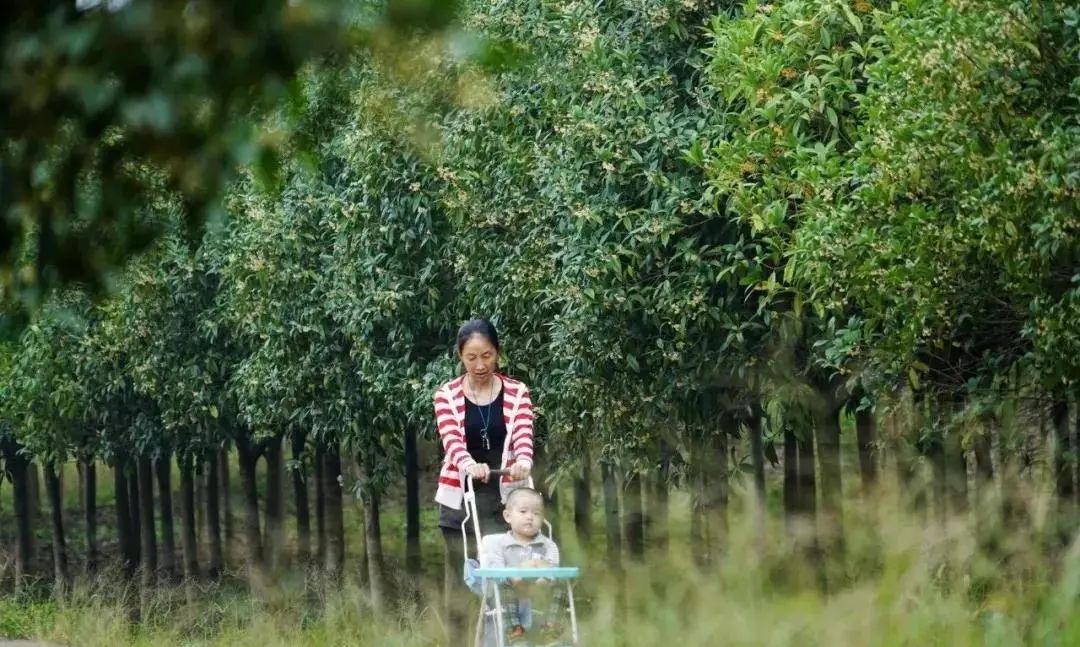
(525, 514)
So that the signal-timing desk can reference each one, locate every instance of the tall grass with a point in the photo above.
(899, 578)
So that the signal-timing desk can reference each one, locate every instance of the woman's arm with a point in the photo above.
(522, 441)
(450, 432)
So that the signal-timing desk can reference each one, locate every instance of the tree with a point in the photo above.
(42, 402)
(81, 116)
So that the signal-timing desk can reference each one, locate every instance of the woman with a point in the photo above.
(485, 421)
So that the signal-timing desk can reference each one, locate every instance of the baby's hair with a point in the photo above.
(517, 493)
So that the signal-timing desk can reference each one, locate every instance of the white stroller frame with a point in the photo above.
(489, 577)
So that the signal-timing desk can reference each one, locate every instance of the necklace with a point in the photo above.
(485, 414)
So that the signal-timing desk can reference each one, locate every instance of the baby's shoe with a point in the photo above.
(517, 634)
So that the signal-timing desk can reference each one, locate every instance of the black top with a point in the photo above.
(489, 452)
(488, 503)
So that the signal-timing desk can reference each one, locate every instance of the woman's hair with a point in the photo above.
(477, 327)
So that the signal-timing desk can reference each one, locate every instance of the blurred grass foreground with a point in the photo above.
(903, 580)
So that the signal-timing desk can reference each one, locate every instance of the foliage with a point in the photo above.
(788, 80)
(579, 221)
(90, 132)
(957, 240)
(42, 398)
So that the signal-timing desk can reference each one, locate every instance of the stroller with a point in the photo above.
(490, 627)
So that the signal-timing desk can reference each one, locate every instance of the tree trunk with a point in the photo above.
(956, 472)
(33, 475)
(757, 461)
(659, 516)
(955, 460)
(1014, 508)
(827, 437)
(611, 517)
(984, 465)
(551, 499)
(18, 468)
(165, 501)
(133, 509)
(1064, 483)
(226, 494)
(583, 502)
(247, 458)
(374, 553)
(634, 520)
(201, 496)
(59, 545)
(1074, 448)
(792, 501)
(300, 496)
(807, 478)
(90, 513)
(717, 517)
(364, 575)
(806, 529)
(335, 526)
(984, 483)
(80, 478)
(699, 549)
(1063, 477)
(274, 541)
(147, 534)
(188, 535)
(708, 475)
(907, 420)
(320, 505)
(412, 503)
(216, 558)
(910, 490)
(865, 437)
(129, 546)
(934, 449)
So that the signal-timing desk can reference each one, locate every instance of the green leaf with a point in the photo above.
(852, 18)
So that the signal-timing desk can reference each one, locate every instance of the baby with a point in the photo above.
(522, 547)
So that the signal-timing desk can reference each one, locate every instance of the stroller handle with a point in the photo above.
(491, 472)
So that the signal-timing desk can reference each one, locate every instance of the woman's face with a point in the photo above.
(479, 358)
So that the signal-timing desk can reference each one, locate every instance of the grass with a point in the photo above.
(902, 578)
(902, 582)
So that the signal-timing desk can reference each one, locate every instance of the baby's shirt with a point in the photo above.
(503, 551)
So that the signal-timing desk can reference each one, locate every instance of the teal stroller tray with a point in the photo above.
(552, 573)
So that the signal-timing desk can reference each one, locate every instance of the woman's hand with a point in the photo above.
(520, 471)
(479, 471)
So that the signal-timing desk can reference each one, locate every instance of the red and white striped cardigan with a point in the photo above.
(450, 417)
